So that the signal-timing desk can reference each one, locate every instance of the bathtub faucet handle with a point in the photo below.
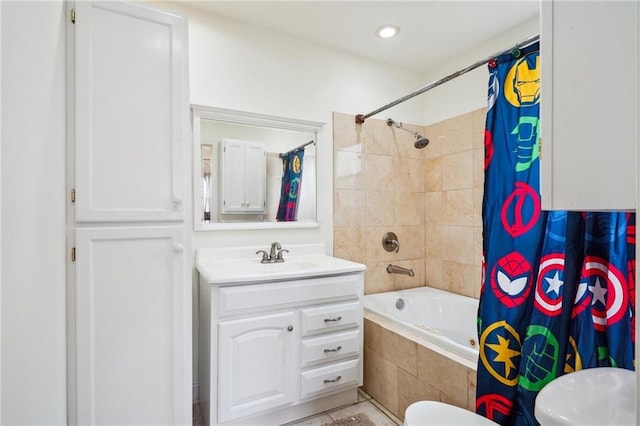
(390, 242)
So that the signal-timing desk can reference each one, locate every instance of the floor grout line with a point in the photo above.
(367, 402)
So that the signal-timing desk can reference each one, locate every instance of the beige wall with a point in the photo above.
(431, 198)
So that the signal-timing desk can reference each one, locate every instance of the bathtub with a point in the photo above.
(441, 321)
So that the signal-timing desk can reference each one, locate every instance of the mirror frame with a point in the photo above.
(200, 112)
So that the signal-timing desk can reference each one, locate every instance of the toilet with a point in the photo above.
(425, 413)
(595, 396)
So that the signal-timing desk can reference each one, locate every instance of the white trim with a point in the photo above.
(72, 413)
(0, 215)
(242, 117)
(637, 277)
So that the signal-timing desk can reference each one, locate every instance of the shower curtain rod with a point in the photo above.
(296, 148)
(360, 117)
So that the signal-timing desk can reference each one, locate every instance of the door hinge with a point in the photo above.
(73, 254)
(73, 195)
(73, 16)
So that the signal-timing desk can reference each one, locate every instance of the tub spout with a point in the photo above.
(393, 269)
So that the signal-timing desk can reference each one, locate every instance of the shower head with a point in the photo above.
(420, 142)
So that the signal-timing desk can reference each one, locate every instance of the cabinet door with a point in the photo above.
(130, 301)
(232, 176)
(242, 176)
(589, 109)
(255, 177)
(131, 110)
(255, 365)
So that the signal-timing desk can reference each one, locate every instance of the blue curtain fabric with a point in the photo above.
(290, 186)
(557, 287)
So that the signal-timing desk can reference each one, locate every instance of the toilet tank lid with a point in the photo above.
(602, 396)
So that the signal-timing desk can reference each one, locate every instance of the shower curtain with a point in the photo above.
(290, 186)
(557, 287)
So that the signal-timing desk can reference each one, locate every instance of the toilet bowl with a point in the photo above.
(425, 413)
(595, 396)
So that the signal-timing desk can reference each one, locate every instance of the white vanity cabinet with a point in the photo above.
(276, 350)
(255, 355)
(589, 104)
(243, 175)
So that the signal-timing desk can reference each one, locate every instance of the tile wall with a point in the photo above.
(431, 198)
(399, 372)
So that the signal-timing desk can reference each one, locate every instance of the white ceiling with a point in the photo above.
(431, 31)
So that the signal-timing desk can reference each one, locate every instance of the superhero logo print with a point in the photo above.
(609, 296)
(539, 366)
(631, 268)
(573, 362)
(522, 84)
(296, 164)
(548, 296)
(510, 279)
(527, 143)
(483, 275)
(494, 89)
(583, 297)
(500, 352)
(488, 148)
(491, 404)
(521, 210)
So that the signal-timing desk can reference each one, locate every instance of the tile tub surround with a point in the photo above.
(431, 198)
(398, 372)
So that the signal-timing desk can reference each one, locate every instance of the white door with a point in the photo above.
(131, 107)
(129, 333)
(255, 365)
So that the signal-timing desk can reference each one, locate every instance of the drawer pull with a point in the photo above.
(337, 379)
(333, 350)
(332, 319)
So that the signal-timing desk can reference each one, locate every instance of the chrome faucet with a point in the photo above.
(275, 246)
(393, 269)
(274, 255)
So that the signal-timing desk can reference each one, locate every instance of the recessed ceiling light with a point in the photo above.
(387, 31)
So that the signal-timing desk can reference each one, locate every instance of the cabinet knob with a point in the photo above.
(177, 202)
(290, 328)
(178, 248)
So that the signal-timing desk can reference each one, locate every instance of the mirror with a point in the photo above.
(239, 159)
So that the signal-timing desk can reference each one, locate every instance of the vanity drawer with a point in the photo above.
(330, 348)
(328, 379)
(331, 318)
(255, 297)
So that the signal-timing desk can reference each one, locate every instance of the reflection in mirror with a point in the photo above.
(253, 170)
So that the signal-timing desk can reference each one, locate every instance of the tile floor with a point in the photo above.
(378, 414)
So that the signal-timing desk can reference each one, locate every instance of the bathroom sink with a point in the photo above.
(257, 268)
(225, 268)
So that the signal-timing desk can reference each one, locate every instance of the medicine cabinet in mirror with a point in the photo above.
(253, 171)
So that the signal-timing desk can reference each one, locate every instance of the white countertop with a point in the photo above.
(239, 265)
